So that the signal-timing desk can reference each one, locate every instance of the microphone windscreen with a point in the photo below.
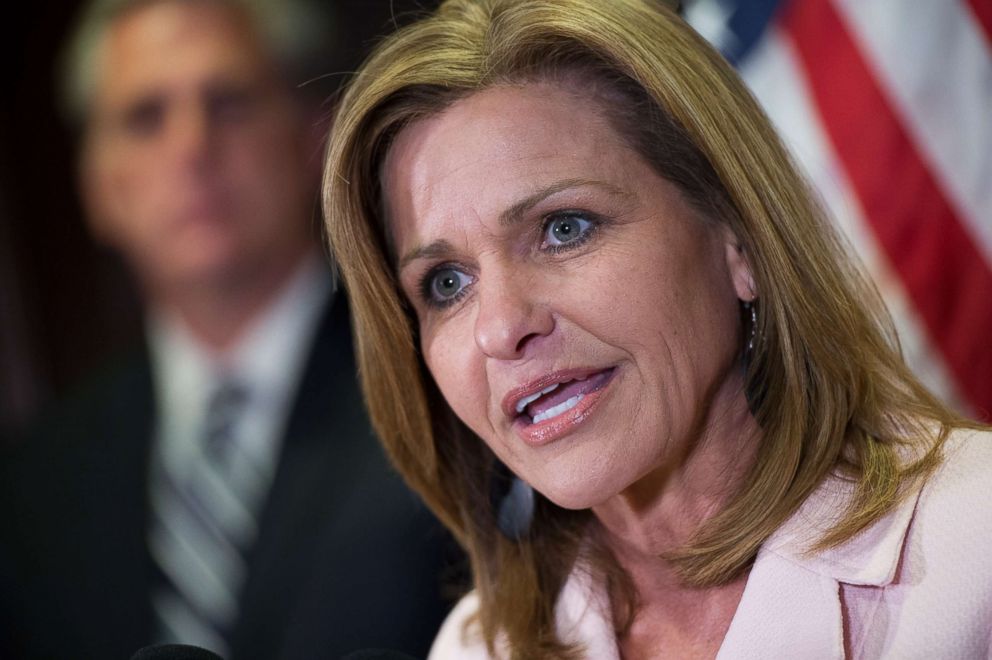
(174, 652)
(377, 654)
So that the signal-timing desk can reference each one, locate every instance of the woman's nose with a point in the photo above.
(509, 316)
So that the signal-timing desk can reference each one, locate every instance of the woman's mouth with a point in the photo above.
(557, 404)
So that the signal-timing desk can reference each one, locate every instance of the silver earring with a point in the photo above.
(753, 307)
(753, 390)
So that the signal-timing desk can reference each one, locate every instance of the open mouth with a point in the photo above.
(559, 398)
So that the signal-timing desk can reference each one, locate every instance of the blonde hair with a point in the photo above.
(826, 380)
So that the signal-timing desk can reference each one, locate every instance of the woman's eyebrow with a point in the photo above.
(433, 250)
(511, 215)
(515, 212)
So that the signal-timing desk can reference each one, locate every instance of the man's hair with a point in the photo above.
(298, 35)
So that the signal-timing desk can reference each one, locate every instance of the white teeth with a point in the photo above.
(554, 411)
(527, 400)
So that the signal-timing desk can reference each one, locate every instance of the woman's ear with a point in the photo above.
(739, 267)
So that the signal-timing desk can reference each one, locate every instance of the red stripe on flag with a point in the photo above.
(944, 274)
(982, 9)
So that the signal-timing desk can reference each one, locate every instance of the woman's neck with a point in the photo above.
(663, 510)
(661, 513)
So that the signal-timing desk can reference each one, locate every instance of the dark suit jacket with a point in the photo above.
(346, 557)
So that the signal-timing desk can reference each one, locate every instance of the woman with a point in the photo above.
(581, 262)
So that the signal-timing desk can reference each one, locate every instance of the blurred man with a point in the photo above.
(221, 487)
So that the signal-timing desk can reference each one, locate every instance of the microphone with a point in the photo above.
(174, 652)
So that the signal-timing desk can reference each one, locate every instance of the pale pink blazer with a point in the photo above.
(916, 584)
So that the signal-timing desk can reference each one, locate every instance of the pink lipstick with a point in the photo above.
(551, 407)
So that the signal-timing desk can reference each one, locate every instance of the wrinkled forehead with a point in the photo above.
(500, 137)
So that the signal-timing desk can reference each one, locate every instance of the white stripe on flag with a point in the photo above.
(934, 63)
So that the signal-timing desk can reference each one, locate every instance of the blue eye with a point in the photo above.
(445, 284)
(563, 229)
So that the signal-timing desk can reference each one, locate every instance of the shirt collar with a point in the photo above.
(266, 358)
(270, 354)
(260, 353)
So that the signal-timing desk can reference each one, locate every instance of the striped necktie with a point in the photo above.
(202, 524)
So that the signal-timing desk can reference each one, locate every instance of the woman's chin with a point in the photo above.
(575, 496)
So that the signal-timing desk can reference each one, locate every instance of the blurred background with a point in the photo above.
(66, 303)
(206, 474)
(886, 103)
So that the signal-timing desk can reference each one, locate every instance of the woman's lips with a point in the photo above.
(555, 406)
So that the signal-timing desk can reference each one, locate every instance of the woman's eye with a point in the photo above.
(562, 229)
(445, 285)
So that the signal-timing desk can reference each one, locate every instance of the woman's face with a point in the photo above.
(575, 312)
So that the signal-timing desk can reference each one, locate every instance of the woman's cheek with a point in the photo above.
(459, 374)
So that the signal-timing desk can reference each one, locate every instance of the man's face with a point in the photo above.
(195, 162)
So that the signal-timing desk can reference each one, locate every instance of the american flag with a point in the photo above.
(887, 106)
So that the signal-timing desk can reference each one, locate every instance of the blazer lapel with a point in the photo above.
(107, 514)
(326, 428)
(786, 611)
(791, 604)
(124, 553)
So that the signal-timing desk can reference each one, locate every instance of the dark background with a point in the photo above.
(67, 304)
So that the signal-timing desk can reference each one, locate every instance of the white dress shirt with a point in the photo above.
(268, 360)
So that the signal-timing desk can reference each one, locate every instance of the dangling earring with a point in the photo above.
(754, 390)
(513, 502)
(752, 307)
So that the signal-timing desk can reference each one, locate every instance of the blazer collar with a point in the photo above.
(791, 605)
(792, 599)
(870, 558)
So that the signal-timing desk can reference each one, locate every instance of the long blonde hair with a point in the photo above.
(826, 380)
